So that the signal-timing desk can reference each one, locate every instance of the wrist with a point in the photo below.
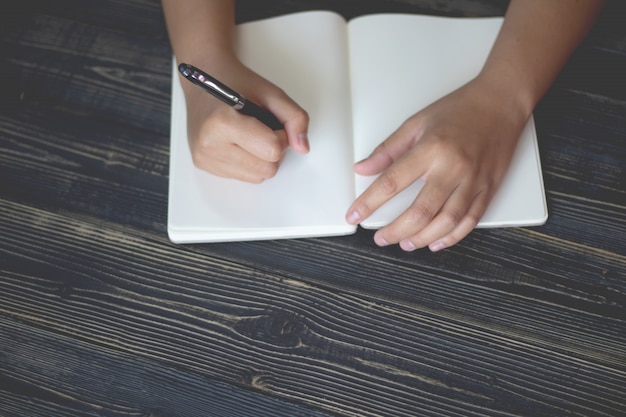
(509, 90)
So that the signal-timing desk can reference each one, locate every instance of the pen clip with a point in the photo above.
(213, 86)
(229, 96)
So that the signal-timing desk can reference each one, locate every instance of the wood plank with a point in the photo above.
(101, 315)
(276, 334)
(142, 386)
(91, 70)
(63, 161)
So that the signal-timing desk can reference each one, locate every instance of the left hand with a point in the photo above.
(461, 146)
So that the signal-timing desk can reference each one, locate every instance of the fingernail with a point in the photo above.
(304, 140)
(437, 246)
(380, 241)
(407, 245)
(353, 217)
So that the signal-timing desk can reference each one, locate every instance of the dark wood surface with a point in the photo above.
(100, 315)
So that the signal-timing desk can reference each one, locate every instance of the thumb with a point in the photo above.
(392, 148)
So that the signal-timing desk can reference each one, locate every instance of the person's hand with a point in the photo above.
(229, 144)
(461, 146)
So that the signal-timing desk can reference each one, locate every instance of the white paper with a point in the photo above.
(306, 54)
(402, 63)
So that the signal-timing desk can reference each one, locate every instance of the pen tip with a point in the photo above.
(184, 69)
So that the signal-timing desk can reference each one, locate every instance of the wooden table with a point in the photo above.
(101, 315)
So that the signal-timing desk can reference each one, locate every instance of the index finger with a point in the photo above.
(390, 182)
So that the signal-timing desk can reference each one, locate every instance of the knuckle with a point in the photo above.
(454, 238)
(200, 157)
(303, 116)
(267, 171)
(212, 126)
(363, 206)
(450, 154)
(465, 226)
(197, 160)
(388, 182)
(472, 220)
(298, 118)
(420, 213)
(450, 219)
(274, 151)
(381, 148)
(463, 161)
(204, 140)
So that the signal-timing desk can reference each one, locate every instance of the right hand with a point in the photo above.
(229, 144)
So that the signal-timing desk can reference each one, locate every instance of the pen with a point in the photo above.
(229, 96)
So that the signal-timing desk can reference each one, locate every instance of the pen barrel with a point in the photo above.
(252, 109)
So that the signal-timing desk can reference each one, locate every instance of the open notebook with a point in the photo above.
(328, 66)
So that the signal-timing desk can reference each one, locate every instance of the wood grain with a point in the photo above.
(289, 339)
(101, 315)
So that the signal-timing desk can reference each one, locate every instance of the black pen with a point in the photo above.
(229, 96)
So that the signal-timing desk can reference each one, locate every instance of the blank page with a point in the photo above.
(402, 63)
(306, 55)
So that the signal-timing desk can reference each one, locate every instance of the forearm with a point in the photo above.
(536, 40)
(200, 31)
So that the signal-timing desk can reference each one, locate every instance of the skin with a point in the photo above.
(223, 142)
(461, 145)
